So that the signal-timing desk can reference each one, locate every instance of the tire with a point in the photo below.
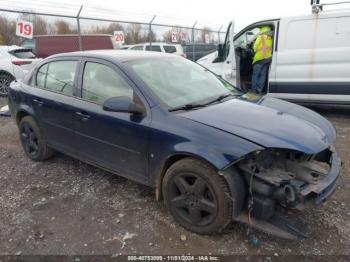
(197, 197)
(33, 142)
(5, 81)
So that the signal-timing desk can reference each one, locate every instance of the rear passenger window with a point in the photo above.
(155, 48)
(169, 48)
(57, 76)
(23, 53)
(139, 47)
(101, 82)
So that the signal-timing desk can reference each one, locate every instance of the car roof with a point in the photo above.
(117, 55)
(155, 43)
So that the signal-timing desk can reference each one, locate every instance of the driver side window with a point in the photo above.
(245, 39)
(100, 82)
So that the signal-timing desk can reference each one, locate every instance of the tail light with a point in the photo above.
(184, 55)
(21, 62)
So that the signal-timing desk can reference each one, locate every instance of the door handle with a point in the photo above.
(38, 101)
(84, 117)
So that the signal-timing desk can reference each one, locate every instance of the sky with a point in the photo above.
(213, 13)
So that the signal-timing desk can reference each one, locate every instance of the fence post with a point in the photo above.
(150, 31)
(193, 54)
(79, 33)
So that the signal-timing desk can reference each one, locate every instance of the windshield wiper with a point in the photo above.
(220, 98)
(193, 106)
(186, 107)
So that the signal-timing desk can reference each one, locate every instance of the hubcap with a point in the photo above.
(193, 199)
(29, 139)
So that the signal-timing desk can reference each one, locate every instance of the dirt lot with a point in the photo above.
(64, 206)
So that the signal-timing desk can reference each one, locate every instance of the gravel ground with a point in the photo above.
(65, 207)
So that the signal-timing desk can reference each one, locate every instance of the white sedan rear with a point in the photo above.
(15, 62)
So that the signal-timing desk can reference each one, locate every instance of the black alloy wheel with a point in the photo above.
(197, 196)
(193, 199)
(29, 140)
(32, 140)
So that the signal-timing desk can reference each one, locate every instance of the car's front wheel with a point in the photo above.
(32, 140)
(197, 197)
(5, 81)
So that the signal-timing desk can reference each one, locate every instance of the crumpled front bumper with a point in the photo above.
(289, 224)
(318, 193)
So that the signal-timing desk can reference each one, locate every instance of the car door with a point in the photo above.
(53, 102)
(113, 140)
(244, 42)
(229, 66)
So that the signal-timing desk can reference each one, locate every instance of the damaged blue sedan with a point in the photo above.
(212, 153)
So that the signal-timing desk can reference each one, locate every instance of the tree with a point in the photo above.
(133, 34)
(40, 26)
(62, 27)
(106, 29)
(8, 31)
(206, 31)
(151, 36)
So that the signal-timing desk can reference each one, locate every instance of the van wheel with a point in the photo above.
(5, 81)
(32, 140)
(197, 197)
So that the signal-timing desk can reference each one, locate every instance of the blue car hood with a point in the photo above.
(270, 122)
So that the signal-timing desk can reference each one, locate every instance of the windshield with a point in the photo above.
(178, 82)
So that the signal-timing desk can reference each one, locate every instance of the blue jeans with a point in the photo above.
(260, 71)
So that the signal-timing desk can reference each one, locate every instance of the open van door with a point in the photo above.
(223, 62)
(229, 66)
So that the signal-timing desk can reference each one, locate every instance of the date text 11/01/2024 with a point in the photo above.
(173, 258)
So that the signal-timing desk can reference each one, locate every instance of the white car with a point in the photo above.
(169, 48)
(15, 62)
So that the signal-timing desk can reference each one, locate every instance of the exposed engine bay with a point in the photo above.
(280, 180)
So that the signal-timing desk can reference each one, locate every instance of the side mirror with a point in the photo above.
(221, 52)
(123, 104)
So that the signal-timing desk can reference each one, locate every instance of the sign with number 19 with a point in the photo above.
(24, 29)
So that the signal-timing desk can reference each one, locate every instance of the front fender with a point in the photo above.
(220, 154)
(24, 109)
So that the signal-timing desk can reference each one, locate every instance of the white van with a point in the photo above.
(310, 60)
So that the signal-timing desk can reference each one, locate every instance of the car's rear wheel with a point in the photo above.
(197, 197)
(33, 141)
(5, 81)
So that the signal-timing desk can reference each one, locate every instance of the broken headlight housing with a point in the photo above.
(281, 178)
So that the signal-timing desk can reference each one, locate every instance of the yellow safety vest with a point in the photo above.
(262, 47)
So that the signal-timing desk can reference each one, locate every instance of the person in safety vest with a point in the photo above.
(262, 59)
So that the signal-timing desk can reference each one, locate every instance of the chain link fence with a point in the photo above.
(57, 29)
(90, 28)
